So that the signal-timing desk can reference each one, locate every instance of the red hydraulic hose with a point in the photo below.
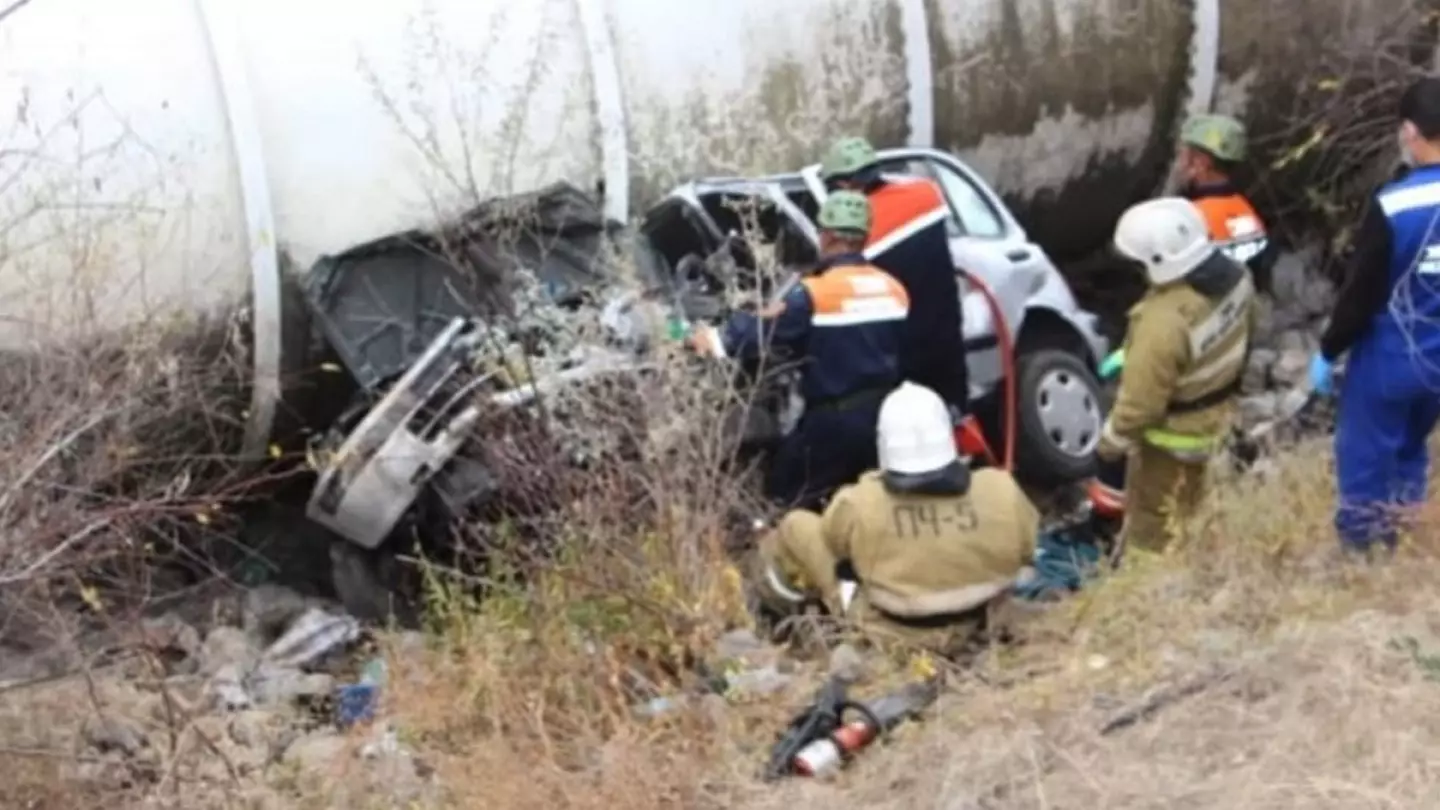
(1007, 367)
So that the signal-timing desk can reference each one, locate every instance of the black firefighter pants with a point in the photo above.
(827, 450)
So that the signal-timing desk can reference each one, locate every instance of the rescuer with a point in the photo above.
(1211, 149)
(1387, 315)
(931, 543)
(908, 241)
(847, 319)
(1185, 351)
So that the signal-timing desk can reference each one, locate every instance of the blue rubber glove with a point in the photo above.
(1321, 375)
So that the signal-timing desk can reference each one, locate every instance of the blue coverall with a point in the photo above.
(1388, 316)
(846, 321)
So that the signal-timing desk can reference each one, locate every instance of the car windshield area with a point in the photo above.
(769, 239)
(970, 213)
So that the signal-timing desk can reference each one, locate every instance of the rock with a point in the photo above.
(715, 709)
(269, 610)
(228, 647)
(111, 733)
(1265, 325)
(214, 730)
(658, 706)
(758, 682)
(316, 751)
(847, 663)
(1296, 340)
(1258, 408)
(170, 634)
(1300, 291)
(408, 645)
(226, 689)
(1292, 367)
(1257, 369)
(275, 685)
(745, 648)
(251, 729)
(187, 690)
(1265, 469)
(18, 664)
(384, 774)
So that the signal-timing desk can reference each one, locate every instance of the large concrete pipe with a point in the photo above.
(182, 151)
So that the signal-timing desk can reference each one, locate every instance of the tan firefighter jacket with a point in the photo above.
(1185, 354)
(918, 556)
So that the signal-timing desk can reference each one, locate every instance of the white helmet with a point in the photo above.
(1167, 235)
(914, 434)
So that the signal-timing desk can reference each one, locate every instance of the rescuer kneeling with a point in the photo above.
(932, 544)
(1185, 352)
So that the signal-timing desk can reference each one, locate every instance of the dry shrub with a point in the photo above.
(120, 477)
(118, 451)
(608, 597)
(1331, 141)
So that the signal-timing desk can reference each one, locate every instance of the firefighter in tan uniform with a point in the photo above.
(1185, 353)
(932, 544)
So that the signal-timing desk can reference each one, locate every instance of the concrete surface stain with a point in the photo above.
(1278, 72)
(849, 77)
(1070, 106)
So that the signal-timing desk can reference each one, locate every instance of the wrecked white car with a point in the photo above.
(695, 234)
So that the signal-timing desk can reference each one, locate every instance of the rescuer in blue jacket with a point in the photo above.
(908, 240)
(1387, 315)
(846, 319)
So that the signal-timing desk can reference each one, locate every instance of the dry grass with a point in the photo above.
(1308, 693)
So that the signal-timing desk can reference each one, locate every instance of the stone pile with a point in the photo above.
(232, 714)
(1292, 320)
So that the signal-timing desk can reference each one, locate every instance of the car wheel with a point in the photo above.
(1060, 412)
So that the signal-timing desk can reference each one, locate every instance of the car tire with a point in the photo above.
(1060, 410)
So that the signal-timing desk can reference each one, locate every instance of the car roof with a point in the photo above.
(742, 185)
(788, 181)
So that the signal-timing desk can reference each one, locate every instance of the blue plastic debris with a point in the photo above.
(356, 702)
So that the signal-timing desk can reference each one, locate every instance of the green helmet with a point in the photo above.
(847, 156)
(1219, 135)
(846, 211)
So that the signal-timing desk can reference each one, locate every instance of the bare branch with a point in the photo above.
(15, 6)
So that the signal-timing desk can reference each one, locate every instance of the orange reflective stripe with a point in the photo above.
(898, 209)
(1230, 218)
(856, 294)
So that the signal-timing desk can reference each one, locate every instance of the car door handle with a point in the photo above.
(1019, 255)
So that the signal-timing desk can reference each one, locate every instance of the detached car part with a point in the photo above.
(400, 444)
(410, 439)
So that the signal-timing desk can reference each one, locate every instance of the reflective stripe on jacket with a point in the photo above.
(1234, 225)
(1185, 354)
(902, 208)
(908, 241)
(847, 321)
(1409, 326)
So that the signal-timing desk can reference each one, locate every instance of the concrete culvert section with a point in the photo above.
(232, 166)
(458, 244)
